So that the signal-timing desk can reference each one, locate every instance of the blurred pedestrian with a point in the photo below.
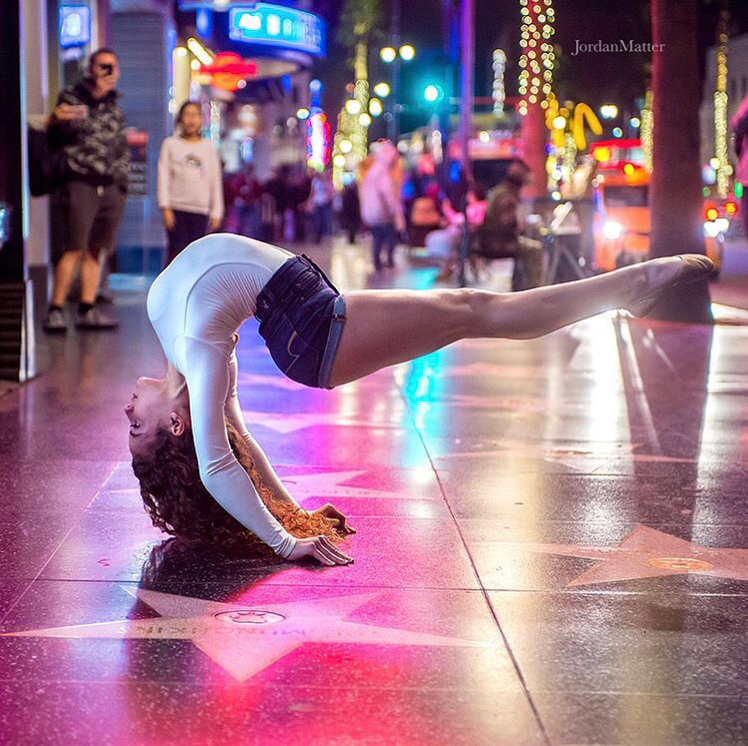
(299, 189)
(190, 185)
(740, 128)
(350, 212)
(321, 197)
(381, 210)
(248, 191)
(93, 191)
(501, 233)
(425, 215)
(276, 189)
(425, 176)
(447, 242)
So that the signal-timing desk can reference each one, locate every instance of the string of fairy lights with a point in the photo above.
(499, 91)
(537, 58)
(720, 111)
(350, 143)
(646, 131)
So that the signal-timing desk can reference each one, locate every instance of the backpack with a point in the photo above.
(47, 166)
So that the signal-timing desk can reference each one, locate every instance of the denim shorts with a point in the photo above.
(301, 317)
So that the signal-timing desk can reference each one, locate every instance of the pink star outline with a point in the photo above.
(244, 650)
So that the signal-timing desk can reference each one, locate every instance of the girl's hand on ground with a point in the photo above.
(322, 549)
(336, 518)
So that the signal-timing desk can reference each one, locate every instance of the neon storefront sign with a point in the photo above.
(278, 25)
(75, 25)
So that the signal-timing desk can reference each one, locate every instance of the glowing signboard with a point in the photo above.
(278, 25)
(75, 25)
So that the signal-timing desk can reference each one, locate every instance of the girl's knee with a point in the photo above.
(473, 306)
(476, 301)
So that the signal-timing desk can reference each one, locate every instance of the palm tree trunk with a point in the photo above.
(534, 138)
(676, 199)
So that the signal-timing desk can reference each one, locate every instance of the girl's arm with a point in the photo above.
(164, 200)
(233, 413)
(224, 477)
(215, 199)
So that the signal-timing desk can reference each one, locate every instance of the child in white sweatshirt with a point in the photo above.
(190, 188)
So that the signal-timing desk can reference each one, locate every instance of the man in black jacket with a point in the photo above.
(94, 189)
(502, 232)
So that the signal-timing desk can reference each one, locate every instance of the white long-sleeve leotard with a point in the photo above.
(196, 306)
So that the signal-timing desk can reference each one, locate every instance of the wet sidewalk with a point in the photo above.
(552, 548)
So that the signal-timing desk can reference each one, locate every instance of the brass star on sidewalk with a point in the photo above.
(586, 461)
(649, 553)
(245, 639)
(290, 423)
(332, 484)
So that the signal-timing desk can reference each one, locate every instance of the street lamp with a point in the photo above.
(387, 54)
(608, 111)
(382, 89)
(393, 55)
(432, 93)
(406, 53)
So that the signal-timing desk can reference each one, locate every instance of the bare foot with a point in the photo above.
(660, 275)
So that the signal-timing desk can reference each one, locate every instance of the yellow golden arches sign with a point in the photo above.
(582, 114)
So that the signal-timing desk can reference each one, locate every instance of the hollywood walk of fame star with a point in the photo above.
(330, 484)
(245, 640)
(318, 484)
(473, 370)
(505, 404)
(278, 382)
(579, 459)
(648, 553)
(584, 462)
(490, 370)
(290, 423)
(286, 384)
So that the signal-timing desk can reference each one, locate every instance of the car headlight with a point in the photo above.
(711, 229)
(611, 229)
(723, 225)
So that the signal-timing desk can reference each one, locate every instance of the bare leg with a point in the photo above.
(64, 275)
(386, 327)
(90, 276)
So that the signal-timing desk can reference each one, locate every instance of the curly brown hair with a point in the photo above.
(178, 503)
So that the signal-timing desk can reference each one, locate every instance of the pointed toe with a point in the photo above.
(693, 267)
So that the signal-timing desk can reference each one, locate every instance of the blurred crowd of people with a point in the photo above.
(295, 204)
(82, 158)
